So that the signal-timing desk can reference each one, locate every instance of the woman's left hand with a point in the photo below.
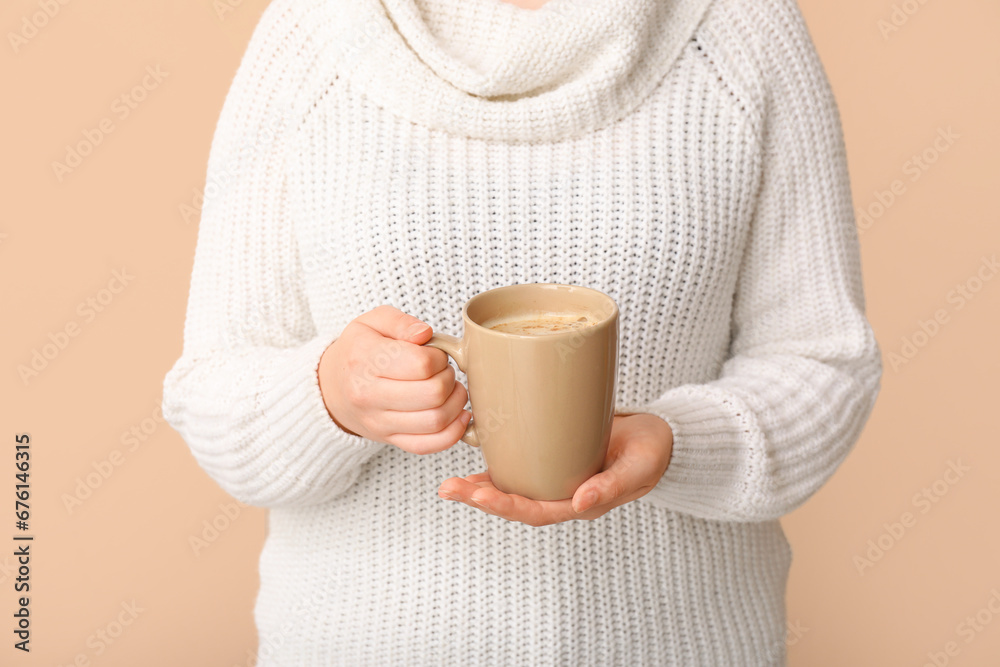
(638, 455)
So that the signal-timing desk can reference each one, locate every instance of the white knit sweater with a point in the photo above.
(684, 156)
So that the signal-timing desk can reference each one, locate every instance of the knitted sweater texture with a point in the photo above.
(685, 157)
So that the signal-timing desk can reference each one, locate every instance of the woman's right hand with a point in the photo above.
(379, 381)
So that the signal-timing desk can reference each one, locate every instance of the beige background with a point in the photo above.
(128, 541)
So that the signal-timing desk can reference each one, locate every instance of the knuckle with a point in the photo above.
(438, 419)
(392, 347)
(401, 319)
(351, 329)
(357, 394)
(380, 361)
(357, 364)
(425, 363)
(351, 362)
(442, 390)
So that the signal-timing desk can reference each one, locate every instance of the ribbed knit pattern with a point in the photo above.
(686, 157)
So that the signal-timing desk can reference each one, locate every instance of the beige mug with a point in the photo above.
(542, 405)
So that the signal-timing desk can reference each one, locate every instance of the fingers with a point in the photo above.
(395, 348)
(636, 460)
(479, 477)
(372, 355)
(428, 421)
(419, 416)
(627, 478)
(381, 380)
(394, 323)
(415, 362)
(514, 507)
(409, 395)
(458, 488)
(434, 442)
(479, 492)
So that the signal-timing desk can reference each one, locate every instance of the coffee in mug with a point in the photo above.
(549, 323)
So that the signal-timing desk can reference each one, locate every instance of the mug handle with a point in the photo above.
(453, 347)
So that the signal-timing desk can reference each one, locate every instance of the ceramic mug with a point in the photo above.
(542, 405)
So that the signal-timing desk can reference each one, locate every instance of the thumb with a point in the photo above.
(605, 487)
(394, 323)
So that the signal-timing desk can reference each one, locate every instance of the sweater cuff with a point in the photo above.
(316, 447)
(718, 456)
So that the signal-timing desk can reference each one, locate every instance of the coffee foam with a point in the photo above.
(542, 323)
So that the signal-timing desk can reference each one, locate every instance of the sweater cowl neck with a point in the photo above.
(489, 69)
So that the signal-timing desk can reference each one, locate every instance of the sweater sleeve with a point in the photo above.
(244, 393)
(804, 368)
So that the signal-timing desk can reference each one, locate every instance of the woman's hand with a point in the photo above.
(638, 455)
(379, 381)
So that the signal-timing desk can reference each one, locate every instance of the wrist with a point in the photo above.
(342, 427)
(322, 370)
(665, 429)
(663, 433)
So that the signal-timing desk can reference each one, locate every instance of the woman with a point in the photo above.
(377, 163)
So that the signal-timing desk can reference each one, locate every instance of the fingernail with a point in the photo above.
(480, 503)
(416, 328)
